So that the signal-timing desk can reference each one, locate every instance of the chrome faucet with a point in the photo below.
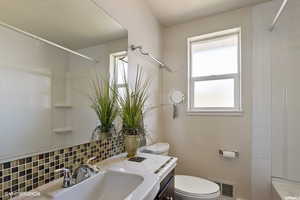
(80, 174)
(84, 172)
(68, 180)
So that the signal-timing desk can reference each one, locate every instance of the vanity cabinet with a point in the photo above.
(167, 188)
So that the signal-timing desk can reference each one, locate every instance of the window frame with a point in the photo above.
(113, 71)
(237, 77)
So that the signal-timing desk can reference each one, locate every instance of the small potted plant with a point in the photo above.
(104, 103)
(132, 104)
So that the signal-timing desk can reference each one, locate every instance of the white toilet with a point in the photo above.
(187, 187)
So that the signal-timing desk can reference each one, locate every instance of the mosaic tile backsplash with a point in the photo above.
(28, 173)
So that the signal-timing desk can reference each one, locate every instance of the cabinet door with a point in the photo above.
(168, 191)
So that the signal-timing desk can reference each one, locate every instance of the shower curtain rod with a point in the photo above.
(283, 5)
(47, 41)
(140, 48)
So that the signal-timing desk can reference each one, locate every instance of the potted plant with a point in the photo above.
(132, 104)
(104, 103)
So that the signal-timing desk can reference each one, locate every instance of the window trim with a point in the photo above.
(237, 110)
(112, 69)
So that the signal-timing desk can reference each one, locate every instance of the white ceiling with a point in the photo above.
(170, 12)
(74, 24)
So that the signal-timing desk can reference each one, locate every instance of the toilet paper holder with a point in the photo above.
(222, 152)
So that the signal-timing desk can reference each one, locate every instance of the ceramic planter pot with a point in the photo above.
(100, 135)
(132, 143)
(105, 135)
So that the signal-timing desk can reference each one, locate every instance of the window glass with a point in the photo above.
(122, 69)
(215, 56)
(122, 92)
(214, 93)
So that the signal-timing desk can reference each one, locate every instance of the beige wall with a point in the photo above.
(143, 29)
(195, 140)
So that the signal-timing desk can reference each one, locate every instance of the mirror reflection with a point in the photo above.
(47, 62)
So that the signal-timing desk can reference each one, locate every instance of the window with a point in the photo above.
(214, 72)
(119, 69)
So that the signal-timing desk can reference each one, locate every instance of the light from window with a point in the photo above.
(221, 55)
(119, 70)
(122, 68)
(214, 72)
(219, 93)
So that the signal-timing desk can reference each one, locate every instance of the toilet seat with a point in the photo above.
(199, 196)
(196, 187)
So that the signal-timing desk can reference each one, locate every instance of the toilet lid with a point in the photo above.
(195, 186)
(157, 148)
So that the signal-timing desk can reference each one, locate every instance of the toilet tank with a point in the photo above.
(158, 149)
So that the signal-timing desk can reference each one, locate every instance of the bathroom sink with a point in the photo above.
(111, 185)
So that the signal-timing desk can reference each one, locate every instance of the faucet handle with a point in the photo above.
(95, 169)
(90, 160)
(67, 182)
(65, 170)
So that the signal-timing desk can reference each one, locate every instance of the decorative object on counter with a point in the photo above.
(176, 97)
(104, 103)
(132, 110)
(137, 159)
(132, 143)
(98, 134)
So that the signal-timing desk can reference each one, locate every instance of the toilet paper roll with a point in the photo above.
(229, 154)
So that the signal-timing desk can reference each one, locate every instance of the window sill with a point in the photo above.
(215, 112)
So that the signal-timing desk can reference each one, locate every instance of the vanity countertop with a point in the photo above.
(157, 165)
(153, 169)
(286, 189)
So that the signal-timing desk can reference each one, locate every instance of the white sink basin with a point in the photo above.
(111, 185)
(123, 180)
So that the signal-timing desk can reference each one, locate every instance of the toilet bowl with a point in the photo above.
(195, 188)
(187, 187)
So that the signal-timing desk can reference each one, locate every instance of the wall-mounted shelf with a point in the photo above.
(63, 130)
(62, 105)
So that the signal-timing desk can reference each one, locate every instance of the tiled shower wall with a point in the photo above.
(28, 173)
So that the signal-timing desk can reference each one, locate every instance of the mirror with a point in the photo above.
(50, 50)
